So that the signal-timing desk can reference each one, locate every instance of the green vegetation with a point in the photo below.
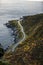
(14, 24)
(33, 25)
(37, 53)
(30, 51)
(4, 63)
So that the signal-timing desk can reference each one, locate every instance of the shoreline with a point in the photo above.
(22, 32)
(30, 48)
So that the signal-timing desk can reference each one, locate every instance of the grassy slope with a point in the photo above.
(30, 51)
(14, 24)
(4, 63)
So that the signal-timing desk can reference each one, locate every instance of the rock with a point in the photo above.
(8, 25)
(1, 51)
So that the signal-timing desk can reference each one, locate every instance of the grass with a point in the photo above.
(4, 63)
(30, 51)
(14, 24)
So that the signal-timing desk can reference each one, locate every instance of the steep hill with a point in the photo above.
(30, 51)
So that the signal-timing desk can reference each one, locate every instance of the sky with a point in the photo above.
(15, 1)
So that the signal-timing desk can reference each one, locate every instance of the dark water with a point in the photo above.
(13, 11)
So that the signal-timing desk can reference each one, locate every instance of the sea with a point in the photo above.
(11, 11)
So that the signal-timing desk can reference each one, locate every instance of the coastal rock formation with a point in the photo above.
(30, 51)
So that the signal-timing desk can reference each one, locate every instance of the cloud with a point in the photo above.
(9, 1)
(14, 1)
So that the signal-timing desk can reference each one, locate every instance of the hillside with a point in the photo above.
(30, 51)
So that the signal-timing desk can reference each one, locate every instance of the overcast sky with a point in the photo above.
(14, 1)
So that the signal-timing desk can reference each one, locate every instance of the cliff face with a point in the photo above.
(30, 51)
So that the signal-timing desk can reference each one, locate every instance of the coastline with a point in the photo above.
(29, 51)
(16, 23)
(12, 24)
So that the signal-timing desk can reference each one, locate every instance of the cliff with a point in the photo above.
(30, 51)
